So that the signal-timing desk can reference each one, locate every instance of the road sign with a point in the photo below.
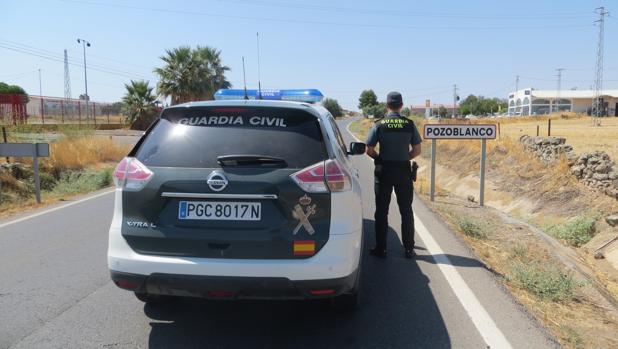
(464, 131)
(33, 150)
(24, 149)
(459, 131)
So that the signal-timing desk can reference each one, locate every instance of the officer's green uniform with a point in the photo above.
(395, 134)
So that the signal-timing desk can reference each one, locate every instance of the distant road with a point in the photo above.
(55, 292)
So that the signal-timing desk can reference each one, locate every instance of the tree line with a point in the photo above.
(370, 106)
(188, 74)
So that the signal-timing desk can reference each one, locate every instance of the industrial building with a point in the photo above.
(538, 102)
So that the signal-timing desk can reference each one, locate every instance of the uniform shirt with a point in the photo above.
(395, 134)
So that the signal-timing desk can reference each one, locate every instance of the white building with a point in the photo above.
(537, 102)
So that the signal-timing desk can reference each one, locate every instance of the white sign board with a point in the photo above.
(454, 131)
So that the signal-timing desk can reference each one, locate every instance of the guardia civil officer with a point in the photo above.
(399, 142)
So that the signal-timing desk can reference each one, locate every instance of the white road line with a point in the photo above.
(477, 313)
(493, 337)
(40, 213)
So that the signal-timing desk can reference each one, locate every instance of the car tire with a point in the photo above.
(346, 301)
(153, 299)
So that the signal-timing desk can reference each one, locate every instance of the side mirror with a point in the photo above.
(357, 148)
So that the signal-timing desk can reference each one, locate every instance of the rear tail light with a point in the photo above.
(336, 177)
(131, 174)
(322, 292)
(322, 177)
(127, 284)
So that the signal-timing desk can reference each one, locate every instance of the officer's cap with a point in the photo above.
(394, 99)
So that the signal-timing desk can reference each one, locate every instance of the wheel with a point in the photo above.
(153, 299)
(346, 301)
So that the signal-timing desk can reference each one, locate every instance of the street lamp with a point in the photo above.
(87, 97)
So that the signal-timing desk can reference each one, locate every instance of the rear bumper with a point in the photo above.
(227, 287)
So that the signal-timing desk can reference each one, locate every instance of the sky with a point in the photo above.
(419, 48)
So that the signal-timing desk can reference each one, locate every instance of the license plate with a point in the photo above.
(222, 211)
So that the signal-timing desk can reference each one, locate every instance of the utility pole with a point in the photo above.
(557, 101)
(516, 83)
(455, 98)
(597, 103)
(84, 44)
(41, 98)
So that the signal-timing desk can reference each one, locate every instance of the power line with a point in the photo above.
(74, 61)
(58, 58)
(296, 21)
(55, 54)
(373, 11)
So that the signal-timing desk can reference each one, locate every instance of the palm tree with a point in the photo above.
(190, 75)
(138, 103)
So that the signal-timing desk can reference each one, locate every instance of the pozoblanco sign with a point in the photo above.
(471, 131)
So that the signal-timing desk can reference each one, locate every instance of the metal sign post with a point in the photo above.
(33, 150)
(433, 169)
(455, 131)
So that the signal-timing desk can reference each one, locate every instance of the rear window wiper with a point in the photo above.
(251, 160)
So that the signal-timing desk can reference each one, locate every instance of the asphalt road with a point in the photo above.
(55, 292)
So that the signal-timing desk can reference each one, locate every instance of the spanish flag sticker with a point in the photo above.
(304, 247)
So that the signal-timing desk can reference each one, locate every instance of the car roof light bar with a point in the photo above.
(296, 95)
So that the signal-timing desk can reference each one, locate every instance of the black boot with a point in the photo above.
(378, 252)
(410, 253)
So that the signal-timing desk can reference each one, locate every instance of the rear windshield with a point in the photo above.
(195, 137)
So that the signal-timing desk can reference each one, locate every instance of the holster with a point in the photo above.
(414, 170)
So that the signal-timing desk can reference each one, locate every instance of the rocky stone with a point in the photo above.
(595, 169)
(577, 170)
(612, 219)
(556, 140)
(600, 176)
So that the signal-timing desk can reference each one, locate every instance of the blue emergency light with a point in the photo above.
(300, 95)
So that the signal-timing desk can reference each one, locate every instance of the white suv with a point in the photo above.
(239, 199)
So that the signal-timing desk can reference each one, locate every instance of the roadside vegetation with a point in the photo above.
(79, 162)
(576, 231)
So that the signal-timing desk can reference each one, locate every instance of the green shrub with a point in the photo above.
(81, 182)
(576, 232)
(545, 281)
(48, 182)
(471, 228)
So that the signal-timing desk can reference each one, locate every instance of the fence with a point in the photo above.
(13, 108)
(53, 110)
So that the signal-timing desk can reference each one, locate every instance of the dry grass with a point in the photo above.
(568, 307)
(82, 152)
(578, 129)
(78, 163)
(79, 152)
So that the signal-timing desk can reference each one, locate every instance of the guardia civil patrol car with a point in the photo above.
(239, 199)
